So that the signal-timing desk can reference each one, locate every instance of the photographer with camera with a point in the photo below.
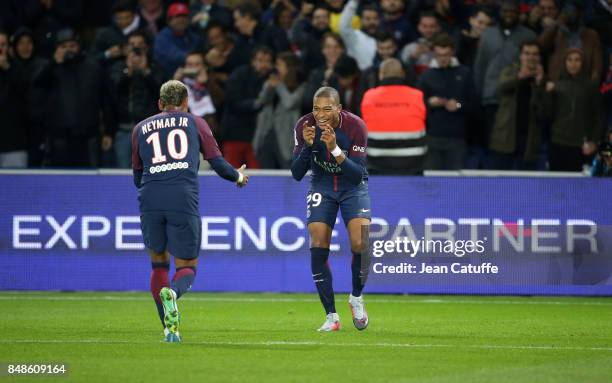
(109, 40)
(135, 82)
(76, 94)
(194, 74)
(602, 164)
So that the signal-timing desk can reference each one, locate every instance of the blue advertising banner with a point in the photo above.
(459, 235)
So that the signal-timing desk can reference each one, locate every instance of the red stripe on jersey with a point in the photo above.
(335, 177)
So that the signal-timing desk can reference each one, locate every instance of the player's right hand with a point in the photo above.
(308, 133)
(245, 178)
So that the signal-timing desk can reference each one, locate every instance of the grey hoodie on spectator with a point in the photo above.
(496, 52)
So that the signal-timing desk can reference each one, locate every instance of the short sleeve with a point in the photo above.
(136, 160)
(359, 139)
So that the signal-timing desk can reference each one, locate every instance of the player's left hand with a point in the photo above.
(328, 136)
(245, 177)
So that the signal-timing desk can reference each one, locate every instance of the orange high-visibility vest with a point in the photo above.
(394, 109)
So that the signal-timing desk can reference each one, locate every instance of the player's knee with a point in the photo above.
(178, 262)
(319, 242)
(320, 235)
(357, 246)
(159, 256)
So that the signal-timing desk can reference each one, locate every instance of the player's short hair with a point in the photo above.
(328, 92)
(172, 93)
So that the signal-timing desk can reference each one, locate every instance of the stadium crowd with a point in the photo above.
(441, 84)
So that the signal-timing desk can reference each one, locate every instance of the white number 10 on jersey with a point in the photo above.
(179, 154)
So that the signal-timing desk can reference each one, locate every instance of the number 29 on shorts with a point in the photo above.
(313, 200)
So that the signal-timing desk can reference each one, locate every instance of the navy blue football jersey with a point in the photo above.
(351, 138)
(167, 147)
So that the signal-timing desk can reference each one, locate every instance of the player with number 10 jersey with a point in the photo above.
(165, 159)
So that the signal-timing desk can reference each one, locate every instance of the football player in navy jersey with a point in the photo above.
(165, 160)
(332, 142)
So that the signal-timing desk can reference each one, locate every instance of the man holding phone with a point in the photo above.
(515, 138)
(194, 75)
(135, 81)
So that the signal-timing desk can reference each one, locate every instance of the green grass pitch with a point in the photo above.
(108, 337)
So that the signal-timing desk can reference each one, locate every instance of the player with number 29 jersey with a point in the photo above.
(332, 143)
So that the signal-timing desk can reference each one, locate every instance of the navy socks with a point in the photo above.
(322, 277)
(358, 279)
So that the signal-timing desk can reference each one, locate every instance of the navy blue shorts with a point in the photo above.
(179, 233)
(322, 206)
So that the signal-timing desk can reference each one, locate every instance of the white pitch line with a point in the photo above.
(312, 343)
(370, 299)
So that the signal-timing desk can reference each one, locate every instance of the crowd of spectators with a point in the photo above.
(487, 84)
